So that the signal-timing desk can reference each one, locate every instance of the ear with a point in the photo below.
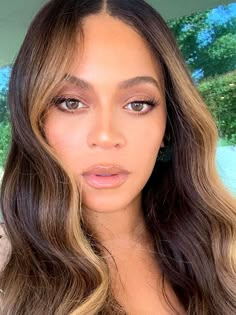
(162, 144)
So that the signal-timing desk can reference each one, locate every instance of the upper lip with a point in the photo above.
(105, 169)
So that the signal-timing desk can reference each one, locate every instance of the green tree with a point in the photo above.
(214, 56)
(219, 93)
(5, 131)
(219, 57)
(186, 30)
(4, 113)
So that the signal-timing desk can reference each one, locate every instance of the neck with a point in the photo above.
(123, 226)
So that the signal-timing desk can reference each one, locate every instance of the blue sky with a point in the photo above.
(4, 77)
(219, 15)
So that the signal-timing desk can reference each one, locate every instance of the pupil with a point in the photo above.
(72, 104)
(137, 106)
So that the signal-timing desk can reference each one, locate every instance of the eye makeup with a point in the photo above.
(70, 105)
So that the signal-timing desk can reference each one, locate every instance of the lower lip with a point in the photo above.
(112, 181)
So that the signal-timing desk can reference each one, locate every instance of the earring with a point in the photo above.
(165, 154)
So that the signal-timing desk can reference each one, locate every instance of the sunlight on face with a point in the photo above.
(94, 120)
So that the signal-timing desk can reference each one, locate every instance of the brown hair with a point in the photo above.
(55, 266)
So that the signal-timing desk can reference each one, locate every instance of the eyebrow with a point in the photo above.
(122, 85)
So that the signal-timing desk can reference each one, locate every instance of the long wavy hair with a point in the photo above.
(55, 265)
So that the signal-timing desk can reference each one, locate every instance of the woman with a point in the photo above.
(110, 197)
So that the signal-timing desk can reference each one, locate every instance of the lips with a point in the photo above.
(105, 170)
(105, 176)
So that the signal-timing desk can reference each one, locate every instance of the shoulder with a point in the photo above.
(4, 246)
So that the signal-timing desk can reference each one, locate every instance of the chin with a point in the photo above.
(102, 207)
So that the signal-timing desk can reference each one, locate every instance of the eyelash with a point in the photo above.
(152, 102)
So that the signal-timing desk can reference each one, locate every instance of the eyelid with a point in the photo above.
(58, 98)
(150, 101)
(61, 99)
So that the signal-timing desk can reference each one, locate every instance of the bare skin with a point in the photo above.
(137, 280)
(108, 130)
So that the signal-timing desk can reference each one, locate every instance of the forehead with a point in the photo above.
(112, 51)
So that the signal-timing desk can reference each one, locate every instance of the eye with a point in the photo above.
(70, 105)
(138, 105)
(67, 104)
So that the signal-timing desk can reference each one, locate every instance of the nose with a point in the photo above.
(106, 130)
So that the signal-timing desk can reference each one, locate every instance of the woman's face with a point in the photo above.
(105, 126)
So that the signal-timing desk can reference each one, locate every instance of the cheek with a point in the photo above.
(147, 150)
(144, 149)
(152, 138)
(143, 139)
(61, 137)
(148, 138)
